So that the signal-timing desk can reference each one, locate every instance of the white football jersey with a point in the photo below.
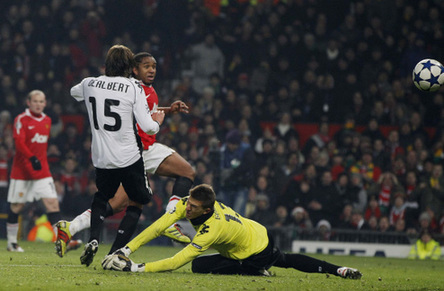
(112, 104)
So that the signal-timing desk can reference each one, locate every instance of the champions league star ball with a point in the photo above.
(428, 75)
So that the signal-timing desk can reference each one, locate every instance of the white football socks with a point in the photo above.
(81, 222)
(12, 231)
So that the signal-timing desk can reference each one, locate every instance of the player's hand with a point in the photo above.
(36, 165)
(158, 116)
(119, 262)
(179, 106)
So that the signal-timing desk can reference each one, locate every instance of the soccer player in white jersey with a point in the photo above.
(245, 247)
(158, 159)
(114, 102)
(30, 176)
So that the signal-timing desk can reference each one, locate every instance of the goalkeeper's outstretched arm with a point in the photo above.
(154, 230)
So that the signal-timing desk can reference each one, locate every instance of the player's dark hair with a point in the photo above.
(205, 194)
(119, 61)
(140, 56)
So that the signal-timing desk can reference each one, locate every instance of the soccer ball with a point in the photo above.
(428, 75)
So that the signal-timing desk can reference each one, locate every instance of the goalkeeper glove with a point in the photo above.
(36, 165)
(118, 262)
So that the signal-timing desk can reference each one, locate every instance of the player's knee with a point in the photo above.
(51, 204)
(190, 173)
(16, 208)
(134, 212)
(182, 186)
(198, 267)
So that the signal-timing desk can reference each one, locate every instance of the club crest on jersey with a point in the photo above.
(204, 229)
(38, 138)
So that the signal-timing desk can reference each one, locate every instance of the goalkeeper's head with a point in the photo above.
(201, 201)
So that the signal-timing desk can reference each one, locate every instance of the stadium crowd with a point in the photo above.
(250, 71)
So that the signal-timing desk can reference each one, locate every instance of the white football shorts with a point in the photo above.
(22, 191)
(155, 155)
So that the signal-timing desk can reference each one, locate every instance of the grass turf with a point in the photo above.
(39, 268)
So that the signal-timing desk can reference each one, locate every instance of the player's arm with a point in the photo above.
(77, 92)
(157, 227)
(19, 140)
(152, 231)
(186, 255)
(176, 107)
(149, 124)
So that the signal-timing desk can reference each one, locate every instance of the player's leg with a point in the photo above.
(308, 264)
(174, 165)
(135, 183)
(127, 226)
(215, 264)
(12, 227)
(67, 229)
(17, 197)
(272, 256)
(107, 181)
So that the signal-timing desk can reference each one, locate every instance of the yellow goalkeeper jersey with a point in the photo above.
(232, 235)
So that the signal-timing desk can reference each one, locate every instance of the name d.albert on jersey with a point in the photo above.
(114, 86)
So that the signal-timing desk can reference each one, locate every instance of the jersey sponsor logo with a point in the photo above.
(38, 138)
(204, 229)
(196, 246)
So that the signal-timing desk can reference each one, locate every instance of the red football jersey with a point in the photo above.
(153, 103)
(31, 136)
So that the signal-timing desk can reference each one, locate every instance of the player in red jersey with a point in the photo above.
(158, 159)
(30, 176)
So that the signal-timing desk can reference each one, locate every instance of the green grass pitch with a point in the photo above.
(39, 268)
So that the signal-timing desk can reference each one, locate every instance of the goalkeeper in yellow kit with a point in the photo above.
(244, 246)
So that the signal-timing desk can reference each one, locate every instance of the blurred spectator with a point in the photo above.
(372, 131)
(263, 214)
(381, 158)
(384, 225)
(398, 209)
(284, 128)
(413, 192)
(206, 59)
(357, 221)
(324, 204)
(425, 248)
(370, 173)
(282, 217)
(345, 216)
(373, 223)
(372, 209)
(433, 196)
(319, 139)
(301, 220)
(357, 193)
(323, 228)
(236, 173)
(385, 189)
(93, 30)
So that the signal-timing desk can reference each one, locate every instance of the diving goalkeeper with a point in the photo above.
(244, 246)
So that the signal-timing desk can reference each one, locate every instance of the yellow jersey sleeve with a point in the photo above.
(157, 227)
